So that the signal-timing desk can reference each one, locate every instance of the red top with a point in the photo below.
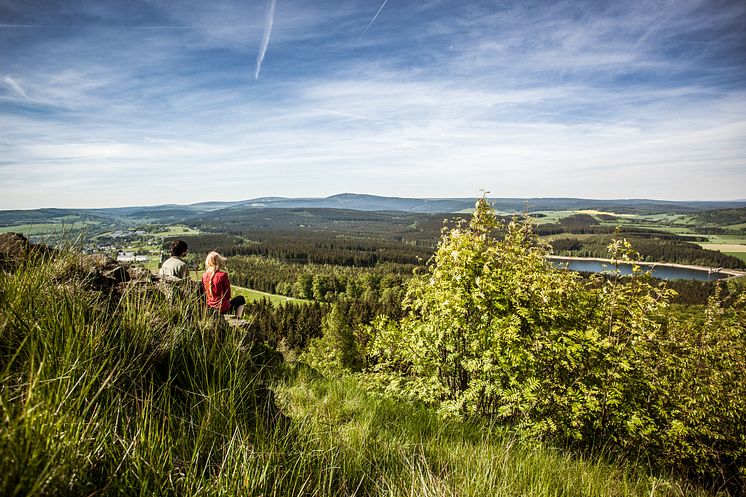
(221, 290)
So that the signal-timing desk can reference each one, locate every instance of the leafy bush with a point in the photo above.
(494, 330)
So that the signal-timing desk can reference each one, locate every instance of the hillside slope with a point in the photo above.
(116, 385)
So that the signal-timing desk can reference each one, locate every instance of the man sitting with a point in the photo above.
(174, 269)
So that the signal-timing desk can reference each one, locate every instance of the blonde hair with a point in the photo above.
(214, 262)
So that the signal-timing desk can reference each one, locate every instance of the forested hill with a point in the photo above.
(33, 216)
(722, 217)
(364, 202)
(388, 225)
(361, 202)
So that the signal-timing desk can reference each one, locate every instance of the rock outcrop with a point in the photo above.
(16, 248)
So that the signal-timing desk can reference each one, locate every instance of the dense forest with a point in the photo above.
(398, 226)
(322, 266)
(366, 249)
(288, 325)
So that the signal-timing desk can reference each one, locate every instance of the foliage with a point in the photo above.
(343, 342)
(290, 324)
(693, 292)
(493, 330)
(696, 406)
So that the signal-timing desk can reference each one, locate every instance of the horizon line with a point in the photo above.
(268, 198)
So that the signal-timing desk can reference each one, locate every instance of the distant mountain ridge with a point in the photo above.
(364, 202)
(360, 202)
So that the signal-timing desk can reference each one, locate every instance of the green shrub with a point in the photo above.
(340, 347)
(494, 330)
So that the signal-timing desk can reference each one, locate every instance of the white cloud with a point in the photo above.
(469, 101)
(419, 139)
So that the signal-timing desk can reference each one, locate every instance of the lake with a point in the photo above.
(662, 272)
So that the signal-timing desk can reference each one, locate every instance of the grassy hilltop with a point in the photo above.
(114, 385)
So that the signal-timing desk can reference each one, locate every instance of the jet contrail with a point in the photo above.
(371, 22)
(265, 39)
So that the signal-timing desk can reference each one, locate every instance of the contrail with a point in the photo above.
(371, 23)
(265, 39)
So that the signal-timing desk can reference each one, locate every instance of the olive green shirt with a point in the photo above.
(174, 268)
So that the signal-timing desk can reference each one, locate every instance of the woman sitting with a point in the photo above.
(218, 287)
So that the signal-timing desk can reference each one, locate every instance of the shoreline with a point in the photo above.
(733, 273)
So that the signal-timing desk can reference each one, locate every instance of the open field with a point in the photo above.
(594, 212)
(727, 239)
(176, 230)
(46, 228)
(551, 216)
(153, 264)
(734, 249)
(740, 255)
(724, 247)
(252, 295)
(669, 218)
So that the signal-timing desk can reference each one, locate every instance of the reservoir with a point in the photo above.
(663, 272)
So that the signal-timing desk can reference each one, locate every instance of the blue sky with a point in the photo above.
(110, 103)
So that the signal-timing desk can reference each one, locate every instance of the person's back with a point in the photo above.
(217, 287)
(175, 268)
(217, 290)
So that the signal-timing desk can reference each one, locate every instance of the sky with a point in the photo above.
(141, 102)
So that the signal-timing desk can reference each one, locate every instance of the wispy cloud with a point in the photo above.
(270, 20)
(13, 85)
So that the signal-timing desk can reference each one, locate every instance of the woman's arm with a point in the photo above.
(228, 287)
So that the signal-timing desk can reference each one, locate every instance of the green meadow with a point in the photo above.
(252, 295)
(40, 229)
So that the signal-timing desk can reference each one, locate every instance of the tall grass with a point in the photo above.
(139, 392)
(378, 446)
(121, 394)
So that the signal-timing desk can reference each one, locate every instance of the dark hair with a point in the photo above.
(178, 248)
